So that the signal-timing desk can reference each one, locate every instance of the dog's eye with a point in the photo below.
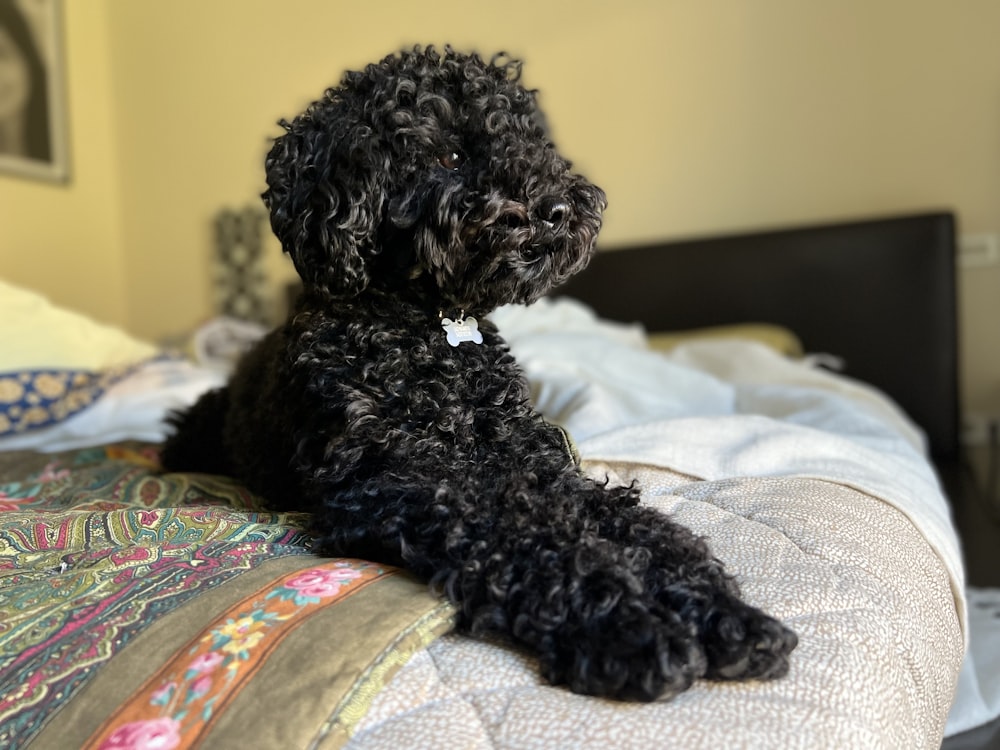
(450, 160)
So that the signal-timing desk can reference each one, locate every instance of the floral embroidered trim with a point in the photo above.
(177, 705)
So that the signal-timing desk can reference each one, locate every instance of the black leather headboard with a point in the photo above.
(878, 293)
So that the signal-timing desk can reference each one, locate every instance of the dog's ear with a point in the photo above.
(325, 198)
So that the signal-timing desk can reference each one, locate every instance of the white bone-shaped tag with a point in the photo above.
(462, 329)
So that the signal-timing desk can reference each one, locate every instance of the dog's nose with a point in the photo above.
(553, 211)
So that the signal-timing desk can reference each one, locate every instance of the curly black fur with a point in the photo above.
(426, 185)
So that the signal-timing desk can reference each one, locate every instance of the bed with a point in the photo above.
(144, 609)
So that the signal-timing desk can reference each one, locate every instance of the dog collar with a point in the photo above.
(461, 329)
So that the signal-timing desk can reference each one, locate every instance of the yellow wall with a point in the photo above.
(696, 116)
(65, 239)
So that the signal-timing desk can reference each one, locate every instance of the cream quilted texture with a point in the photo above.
(878, 657)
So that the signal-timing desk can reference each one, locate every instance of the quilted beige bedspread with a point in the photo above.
(876, 667)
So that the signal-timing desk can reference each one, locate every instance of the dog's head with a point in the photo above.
(430, 175)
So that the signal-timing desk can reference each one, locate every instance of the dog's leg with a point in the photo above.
(520, 566)
(529, 563)
(617, 600)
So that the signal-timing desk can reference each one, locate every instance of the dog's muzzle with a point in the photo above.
(552, 212)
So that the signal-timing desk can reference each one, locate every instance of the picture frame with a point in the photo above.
(33, 127)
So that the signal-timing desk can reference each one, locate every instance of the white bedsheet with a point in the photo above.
(725, 408)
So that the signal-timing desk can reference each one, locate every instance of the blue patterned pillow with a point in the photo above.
(32, 399)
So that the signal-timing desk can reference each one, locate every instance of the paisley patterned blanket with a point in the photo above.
(141, 609)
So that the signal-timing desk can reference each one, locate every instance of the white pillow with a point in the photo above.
(37, 335)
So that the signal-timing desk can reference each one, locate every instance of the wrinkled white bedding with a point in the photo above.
(725, 408)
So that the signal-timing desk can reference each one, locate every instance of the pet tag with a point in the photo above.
(462, 329)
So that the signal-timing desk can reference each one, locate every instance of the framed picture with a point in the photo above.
(33, 139)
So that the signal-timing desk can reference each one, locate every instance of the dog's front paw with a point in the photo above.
(741, 642)
(637, 658)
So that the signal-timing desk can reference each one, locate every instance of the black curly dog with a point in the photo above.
(419, 191)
